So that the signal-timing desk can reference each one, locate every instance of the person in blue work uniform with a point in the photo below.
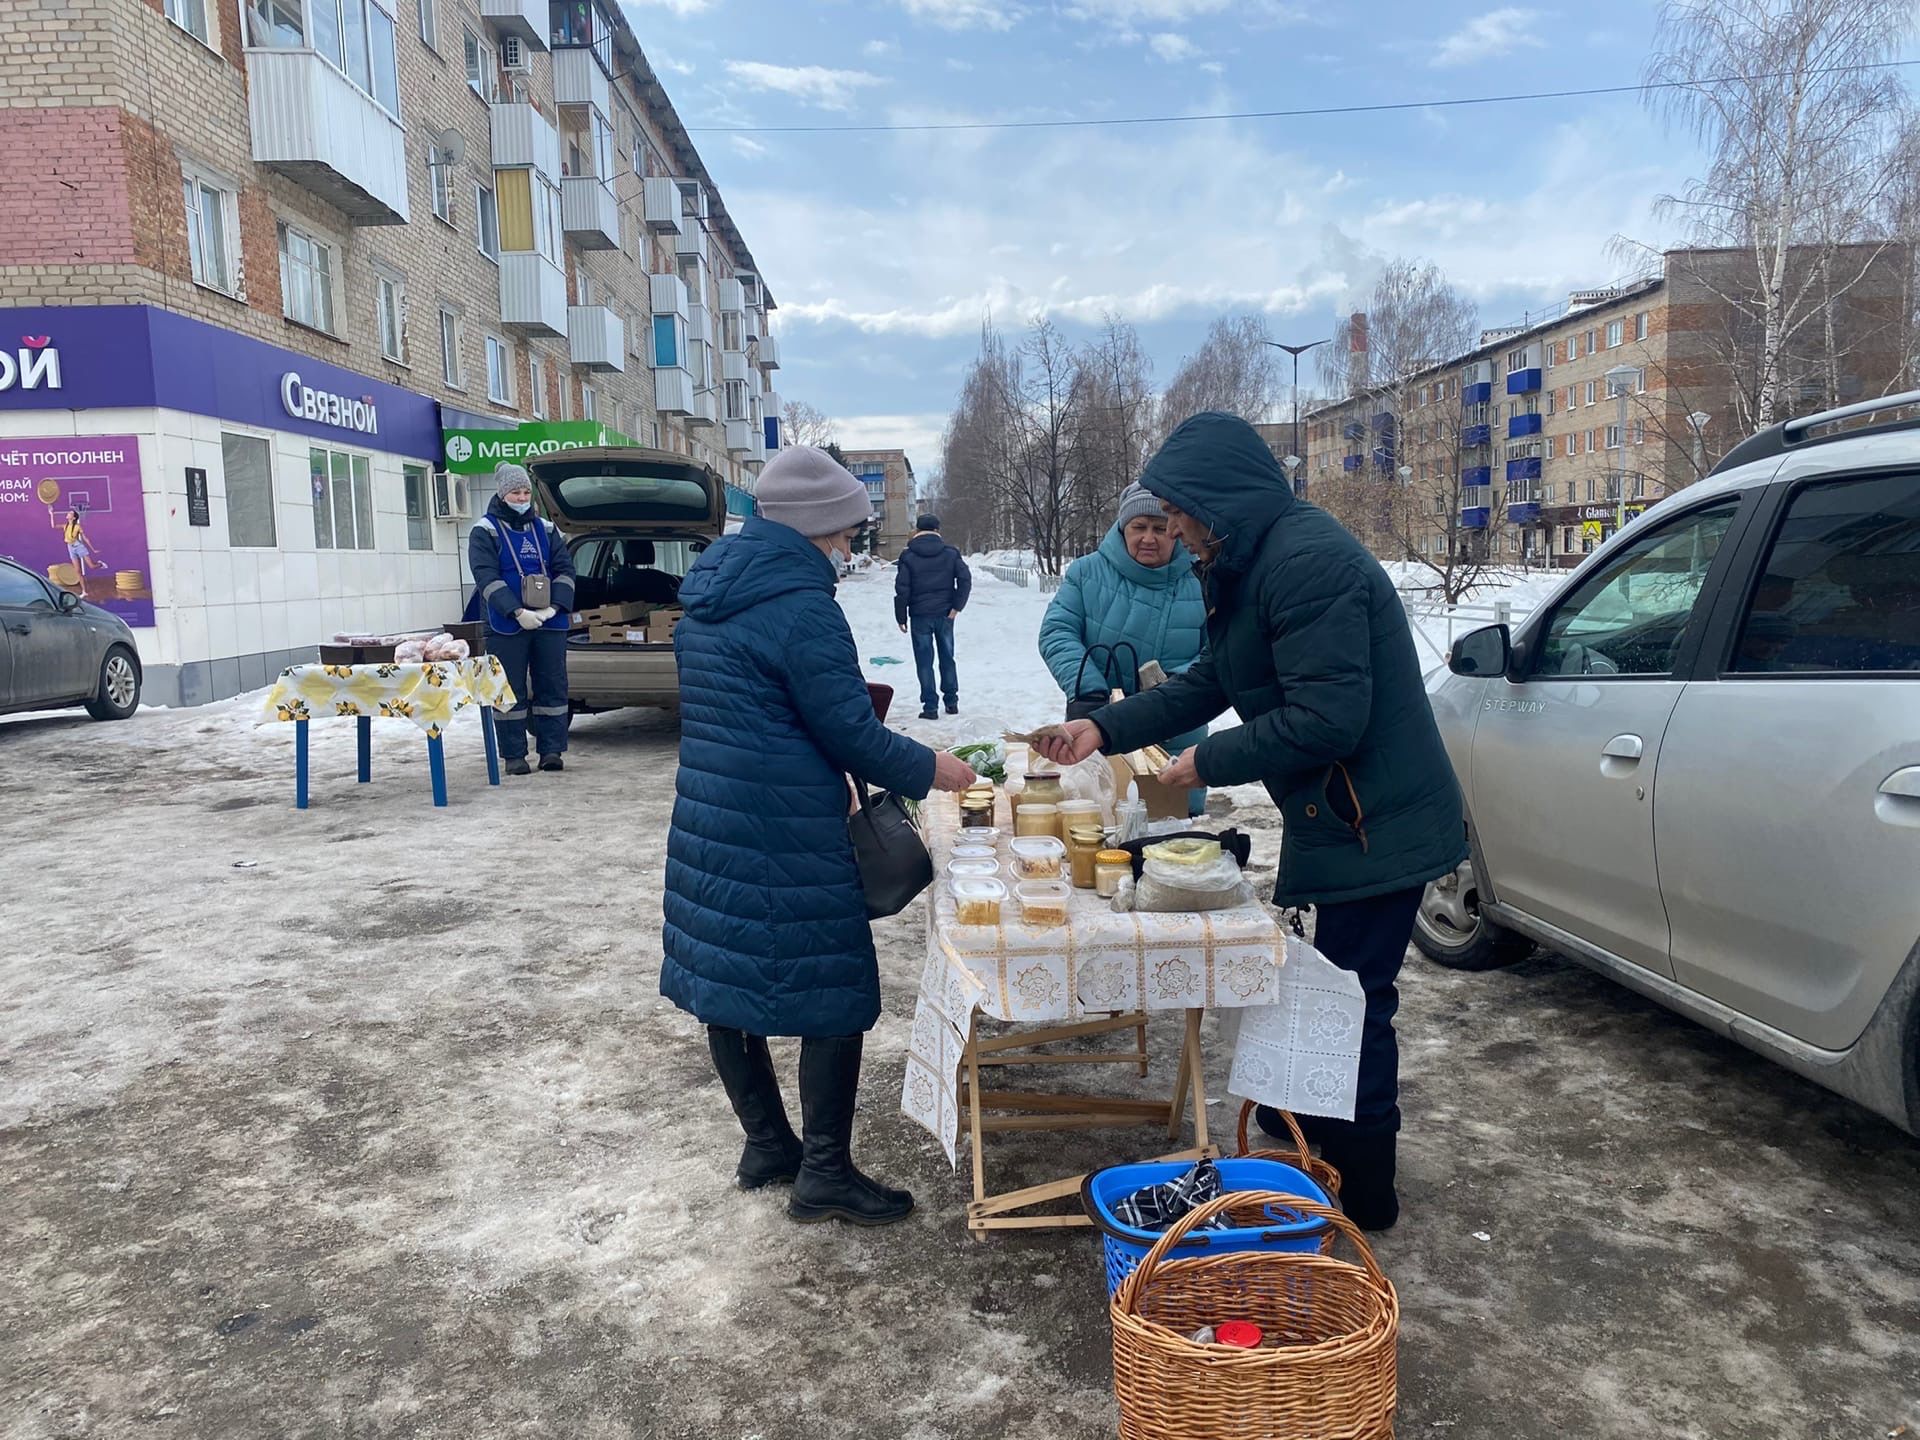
(508, 546)
(931, 584)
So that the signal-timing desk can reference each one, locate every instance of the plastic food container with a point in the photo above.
(1038, 857)
(978, 902)
(972, 851)
(1043, 903)
(973, 869)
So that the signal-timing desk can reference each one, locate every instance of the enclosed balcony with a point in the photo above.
(1475, 517)
(589, 213)
(667, 295)
(579, 80)
(325, 133)
(533, 293)
(733, 365)
(1478, 393)
(1524, 512)
(673, 391)
(1350, 463)
(1523, 382)
(1477, 475)
(1383, 457)
(1383, 423)
(699, 326)
(1354, 430)
(1527, 468)
(769, 352)
(524, 19)
(522, 136)
(661, 205)
(1472, 435)
(692, 240)
(706, 410)
(597, 338)
(1519, 426)
(739, 434)
(733, 297)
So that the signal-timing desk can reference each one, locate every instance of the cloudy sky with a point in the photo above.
(886, 251)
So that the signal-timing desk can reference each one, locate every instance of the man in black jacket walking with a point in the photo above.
(931, 584)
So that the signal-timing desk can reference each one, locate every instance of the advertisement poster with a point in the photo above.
(476, 452)
(71, 511)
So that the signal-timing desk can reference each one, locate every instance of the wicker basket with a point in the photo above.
(1324, 1175)
(1326, 1369)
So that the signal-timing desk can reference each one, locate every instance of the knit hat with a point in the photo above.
(509, 476)
(1136, 501)
(929, 522)
(806, 490)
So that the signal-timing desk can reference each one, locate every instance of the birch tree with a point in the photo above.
(1235, 370)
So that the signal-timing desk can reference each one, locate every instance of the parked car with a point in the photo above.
(634, 520)
(58, 650)
(1696, 768)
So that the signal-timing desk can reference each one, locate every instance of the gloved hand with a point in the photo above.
(546, 614)
(529, 619)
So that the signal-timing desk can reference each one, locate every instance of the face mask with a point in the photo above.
(519, 507)
(841, 557)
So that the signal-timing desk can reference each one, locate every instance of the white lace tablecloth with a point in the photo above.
(1302, 1043)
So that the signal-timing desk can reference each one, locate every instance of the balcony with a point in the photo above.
(1350, 463)
(673, 391)
(1383, 457)
(706, 410)
(1475, 517)
(1523, 469)
(533, 294)
(1472, 435)
(1523, 425)
(698, 325)
(579, 80)
(318, 129)
(589, 213)
(692, 240)
(739, 437)
(1383, 423)
(1526, 512)
(1354, 430)
(771, 424)
(1523, 382)
(733, 297)
(769, 352)
(667, 295)
(1476, 394)
(597, 338)
(526, 19)
(522, 136)
(1477, 475)
(733, 365)
(752, 323)
(661, 205)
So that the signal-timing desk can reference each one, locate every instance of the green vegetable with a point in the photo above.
(987, 757)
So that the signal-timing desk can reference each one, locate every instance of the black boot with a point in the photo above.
(519, 766)
(829, 1187)
(1365, 1160)
(772, 1153)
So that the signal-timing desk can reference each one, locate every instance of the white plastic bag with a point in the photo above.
(1091, 779)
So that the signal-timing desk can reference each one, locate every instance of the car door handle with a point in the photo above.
(1903, 783)
(1624, 747)
(25, 627)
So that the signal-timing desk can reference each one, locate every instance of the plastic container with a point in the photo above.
(1043, 905)
(978, 902)
(1110, 867)
(1036, 818)
(971, 851)
(1124, 1246)
(1038, 857)
(973, 869)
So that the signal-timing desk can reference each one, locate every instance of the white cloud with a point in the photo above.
(959, 66)
(879, 49)
(1172, 48)
(748, 146)
(1336, 182)
(1488, 36)
(811, 84)
(672, 64)
(918, 435)
(964, 14)
(682, 8)
(1175, 12)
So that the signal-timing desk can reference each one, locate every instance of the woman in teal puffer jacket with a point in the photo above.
(1137, 589)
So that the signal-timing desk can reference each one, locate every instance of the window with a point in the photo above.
(1550, 400)
(537, 382)
(483, 69)
(419, 486)
(499, 371)
(429, 24)
(730, 331)
(1640, 326)
(1840, 593)
(18, 588)
(450, 349)
(342, 499)
(666, 341)
(1516, 360)
(276, 25)
(246, 462)
(306, 278)
(1615, 333)
(210, 232)
(1592, 348)
(440, 187)
(1592, 391)
(357, 37)
(1612, 440)
(190, 16)
(584, 286)
(1631, 617)
(390, 315)
(1573, 347)
(589, 403)
(486, 213)
(1552, 349)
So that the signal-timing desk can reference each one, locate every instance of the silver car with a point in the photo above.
(57, 650)
(1697, 767)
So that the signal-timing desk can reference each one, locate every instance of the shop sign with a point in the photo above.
(303, 402)
(476, 452)
(34, 366)
(72, 511)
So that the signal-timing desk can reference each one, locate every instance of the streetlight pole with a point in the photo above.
(1620, 377)
(1697, 422)
(1296, 351)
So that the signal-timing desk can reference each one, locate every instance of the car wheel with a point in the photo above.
(1451, 931)
(119, 693)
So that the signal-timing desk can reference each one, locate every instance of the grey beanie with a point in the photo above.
(509, 476)
(1136, 501)
(806, 490)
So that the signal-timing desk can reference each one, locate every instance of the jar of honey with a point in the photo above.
(1110, 867)
(1084, 843)
(1042, 788)
(1037, 819)
(976, 809)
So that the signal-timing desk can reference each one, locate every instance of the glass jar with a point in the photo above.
(1038, 857)
(1042, 788)
(1110, 867)
(978, 902)
(1037, 819)
(976, 809)
(1084, 842)
(1075, 813)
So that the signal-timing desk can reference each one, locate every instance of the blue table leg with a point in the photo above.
(437, 765)
(365, 724)
(493, 745)
(299, 764)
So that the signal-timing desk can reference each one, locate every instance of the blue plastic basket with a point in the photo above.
(1126, 1246)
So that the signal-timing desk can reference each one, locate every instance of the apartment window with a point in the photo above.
(1589, 442)
(537, 382)
(1516, 360)
(666, 341)
(1611, 440)
(1592, 390)
(419, 486)
(1573, 347)
(1615, 333)
(210, 232)
(730, 331)
(1640, 381)
(656, 434)
(190, 16)
(1570, 446)
(429, 23)
(589, 403)
(357, 37)
(736, 395)
(1550, 399)
(1552, 351)
(306, 278)
(440, 187)
(390, 315)
(499, 371)
(486, 213)
(246, 462)
(583, 284)
(450, 349)
(527, 211)
(1640, 326)
(483, 69)
(342, 499)
(1593, 347)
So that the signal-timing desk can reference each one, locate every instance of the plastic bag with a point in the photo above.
(410, 652)
(1091, 779)
(1171, 884)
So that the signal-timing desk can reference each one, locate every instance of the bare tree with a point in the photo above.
(1116, 425)
(1235, 370)
(806, 425)
(1900, 219)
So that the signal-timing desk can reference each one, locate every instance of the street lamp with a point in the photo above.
(1620, 380)
(1292, 462)
(1296, 351)
(1698, 422)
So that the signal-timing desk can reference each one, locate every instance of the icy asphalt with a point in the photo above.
(370, 1122)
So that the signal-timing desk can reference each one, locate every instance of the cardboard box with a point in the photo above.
(660, 625)
(611, 615)
(616, 635)
(1163, 803)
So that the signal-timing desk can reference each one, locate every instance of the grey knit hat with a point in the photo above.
(509, 476)
(1136, 501)
(804, 489)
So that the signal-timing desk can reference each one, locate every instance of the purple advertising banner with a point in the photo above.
(91, 357)
(72, 511)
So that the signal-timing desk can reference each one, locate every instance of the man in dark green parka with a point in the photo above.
(1308, 642)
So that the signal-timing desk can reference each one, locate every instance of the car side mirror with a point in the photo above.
(69, 602)
(1487, 651)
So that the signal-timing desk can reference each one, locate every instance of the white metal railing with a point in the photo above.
(1023, 577)
(1469, 617)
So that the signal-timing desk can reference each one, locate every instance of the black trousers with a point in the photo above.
(1370, 937)
(536, 666)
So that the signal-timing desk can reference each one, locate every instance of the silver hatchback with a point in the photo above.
(1696, 768)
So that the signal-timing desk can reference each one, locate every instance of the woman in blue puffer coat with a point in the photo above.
(1137, 589)
(766, 924)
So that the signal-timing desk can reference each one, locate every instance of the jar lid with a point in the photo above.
(1038, 892)
(1081, 807)
(973, 852)
(972, 868)
(1038, 847)
(981, 837)
(979, 890)
(1113, 857)
(1240, 1334)
(1087, 834)
(1039, 807)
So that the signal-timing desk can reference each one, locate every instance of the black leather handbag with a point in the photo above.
(1083, 703)
(892, 858)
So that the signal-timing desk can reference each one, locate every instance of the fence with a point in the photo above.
(1427, 617)
(1024, 578)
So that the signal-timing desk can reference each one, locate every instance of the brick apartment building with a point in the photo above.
(889, 480)
(265, 259)
(1533, 445)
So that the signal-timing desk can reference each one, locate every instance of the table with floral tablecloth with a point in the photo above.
(429, 694)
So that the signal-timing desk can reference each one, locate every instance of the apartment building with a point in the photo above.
(1536, 445)
(888, 476)
(283, 272)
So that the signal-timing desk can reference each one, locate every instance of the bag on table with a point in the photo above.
(1084, 702)
(887, 849)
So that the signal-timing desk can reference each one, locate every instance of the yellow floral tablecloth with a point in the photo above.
(429, 694)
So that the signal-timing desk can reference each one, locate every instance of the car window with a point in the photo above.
(1630, 617)
(1840, 591)
(673, 557)
(17, 587)
(586, 557)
